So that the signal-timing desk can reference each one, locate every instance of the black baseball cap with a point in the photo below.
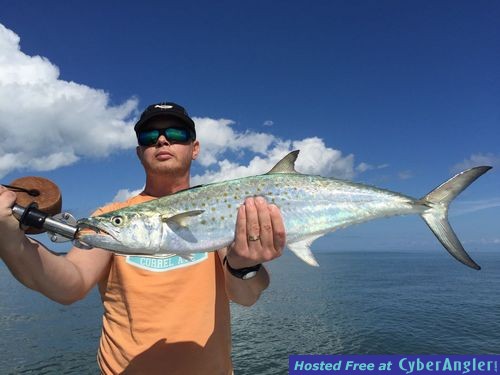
(166, 109)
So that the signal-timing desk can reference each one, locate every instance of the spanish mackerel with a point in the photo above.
(203, 218)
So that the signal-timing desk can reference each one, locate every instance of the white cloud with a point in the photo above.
(465, 207)
(405, 175)
(268, 123)
(484, 241)
(363, 167)
(315, 158)
(229, 170)
(46, 122)
(124, 194)
(218, 138)
(477, 160)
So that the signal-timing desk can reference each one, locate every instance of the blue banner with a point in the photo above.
(399, 364)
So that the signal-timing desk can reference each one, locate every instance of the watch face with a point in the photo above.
(249, 275)
(242, 273)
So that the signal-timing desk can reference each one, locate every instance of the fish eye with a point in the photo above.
(117, 220)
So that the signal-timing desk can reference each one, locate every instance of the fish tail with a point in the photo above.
(436, 214)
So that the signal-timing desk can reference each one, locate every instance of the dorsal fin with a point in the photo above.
(287, 164)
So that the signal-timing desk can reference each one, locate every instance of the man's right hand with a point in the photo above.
(10, 233)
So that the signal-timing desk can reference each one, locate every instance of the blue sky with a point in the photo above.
(399, 94)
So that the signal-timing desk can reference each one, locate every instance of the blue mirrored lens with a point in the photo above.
(177, 134)
(150, 137)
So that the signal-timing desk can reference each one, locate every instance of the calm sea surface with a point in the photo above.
(356, 302)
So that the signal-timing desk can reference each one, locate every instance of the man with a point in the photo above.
(168, 316)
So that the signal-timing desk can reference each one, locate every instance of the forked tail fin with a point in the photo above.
(436, 216)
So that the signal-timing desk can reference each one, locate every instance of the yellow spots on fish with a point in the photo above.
(213, 208)
(247, 193)
(203, 222)
(203, 204)
(222, 218)
(213, 218)
(229, 206)
(236, 197)
(225, 194)
(273, 200)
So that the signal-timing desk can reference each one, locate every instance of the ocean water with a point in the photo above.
(354, 303)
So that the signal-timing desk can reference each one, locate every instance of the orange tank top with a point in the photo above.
(164, 315)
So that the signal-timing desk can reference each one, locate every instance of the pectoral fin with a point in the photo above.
(303, 251)
(181, 219)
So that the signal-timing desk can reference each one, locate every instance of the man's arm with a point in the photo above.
(62, 279)
(259, 238)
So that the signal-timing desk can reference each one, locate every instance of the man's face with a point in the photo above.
(166, 156)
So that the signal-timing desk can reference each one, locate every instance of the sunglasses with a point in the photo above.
(150, 137)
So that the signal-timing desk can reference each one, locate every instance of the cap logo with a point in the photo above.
(163, 106)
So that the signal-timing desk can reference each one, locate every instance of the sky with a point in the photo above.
(397, 94)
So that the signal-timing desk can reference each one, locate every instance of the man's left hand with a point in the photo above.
(259, 236)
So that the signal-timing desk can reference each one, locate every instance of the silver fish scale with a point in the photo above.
(309, 204)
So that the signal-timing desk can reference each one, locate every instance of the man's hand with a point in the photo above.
(259, 236)
(8, 224)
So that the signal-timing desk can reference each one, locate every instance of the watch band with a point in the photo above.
(242, 273)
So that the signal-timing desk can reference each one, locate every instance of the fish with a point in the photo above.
(203, 218)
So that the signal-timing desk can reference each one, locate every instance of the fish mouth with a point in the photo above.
(87, 229)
